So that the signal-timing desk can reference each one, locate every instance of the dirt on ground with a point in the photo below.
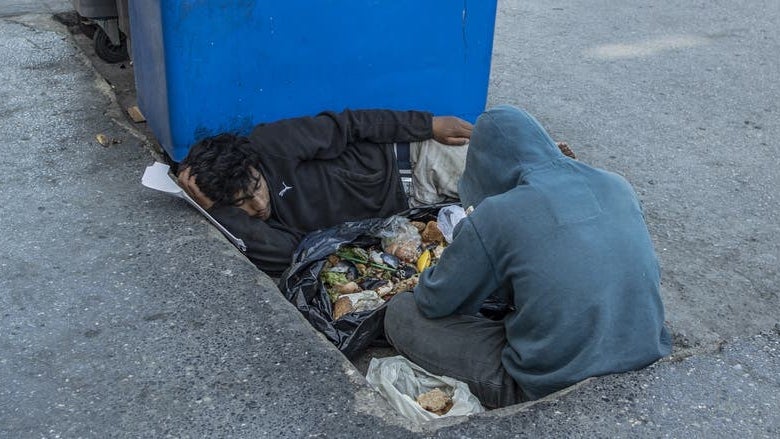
(119, 76)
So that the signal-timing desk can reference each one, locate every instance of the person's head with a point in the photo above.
(506, 144)
(226, 170)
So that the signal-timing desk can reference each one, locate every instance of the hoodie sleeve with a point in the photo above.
(328, 134)
(461, 281)
(269, 246)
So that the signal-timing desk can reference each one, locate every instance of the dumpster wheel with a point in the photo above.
(106, 50)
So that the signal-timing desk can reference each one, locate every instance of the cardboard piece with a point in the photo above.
(135, 114)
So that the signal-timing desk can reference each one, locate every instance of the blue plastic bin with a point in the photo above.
(203, 67)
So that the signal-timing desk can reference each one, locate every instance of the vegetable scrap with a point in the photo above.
(360, 279)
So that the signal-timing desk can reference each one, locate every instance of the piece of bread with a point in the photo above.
(347, 288)
(435, 401)
(342, 307)
(406, 251)
(431, 233)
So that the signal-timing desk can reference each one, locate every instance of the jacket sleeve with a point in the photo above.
(461, 281)
(328, 134)
(269, 246)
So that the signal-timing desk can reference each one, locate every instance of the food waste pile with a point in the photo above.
(363, 278)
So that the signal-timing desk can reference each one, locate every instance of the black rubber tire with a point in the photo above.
(108, 52)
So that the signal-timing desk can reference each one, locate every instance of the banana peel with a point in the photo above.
(424, 261)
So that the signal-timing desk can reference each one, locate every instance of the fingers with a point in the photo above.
(456, 141)
(466, 127)
(459, 128)
(184, 173)
(184, 178)
(188, 182)
(451, 130)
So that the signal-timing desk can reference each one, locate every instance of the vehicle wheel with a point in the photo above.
(107, 51)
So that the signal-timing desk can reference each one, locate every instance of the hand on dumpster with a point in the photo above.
(451, 130)
(187, 182)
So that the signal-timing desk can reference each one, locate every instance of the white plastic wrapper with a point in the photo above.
(448, 218)
(400, 381)
(364, 300)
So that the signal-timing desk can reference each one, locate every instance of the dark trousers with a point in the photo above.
(467, 348)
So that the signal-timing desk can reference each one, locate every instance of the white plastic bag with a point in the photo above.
(400, 381)
(401, 239)
(448, 218)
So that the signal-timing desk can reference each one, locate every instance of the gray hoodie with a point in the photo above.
(566, 244)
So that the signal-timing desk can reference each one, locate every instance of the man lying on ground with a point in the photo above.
(565, 244)
(298, 175)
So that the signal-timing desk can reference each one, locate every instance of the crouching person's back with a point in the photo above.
(564, 244)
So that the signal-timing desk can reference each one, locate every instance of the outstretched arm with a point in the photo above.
(328, 134)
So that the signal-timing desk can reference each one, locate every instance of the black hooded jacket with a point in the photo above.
(322, 171)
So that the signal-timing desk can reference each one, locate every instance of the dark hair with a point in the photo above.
(221, 166)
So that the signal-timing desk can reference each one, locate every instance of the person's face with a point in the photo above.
(256, 203)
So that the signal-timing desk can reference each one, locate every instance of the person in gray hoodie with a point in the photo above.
(564, 244)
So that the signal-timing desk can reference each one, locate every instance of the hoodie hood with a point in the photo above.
(506, 143)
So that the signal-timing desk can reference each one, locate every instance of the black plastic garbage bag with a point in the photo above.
(301, 283)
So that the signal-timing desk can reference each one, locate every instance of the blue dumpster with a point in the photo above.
(208, 66)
